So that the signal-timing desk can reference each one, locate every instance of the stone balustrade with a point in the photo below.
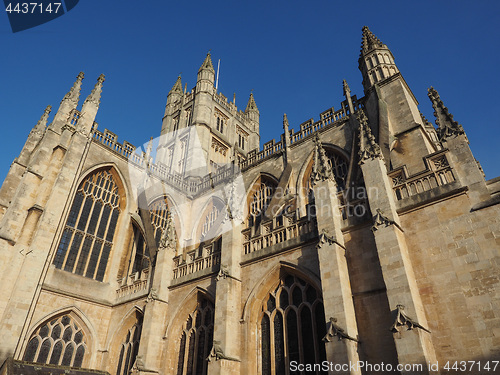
(438, 173)
(276, 231)
(134, 283)
(197, 260)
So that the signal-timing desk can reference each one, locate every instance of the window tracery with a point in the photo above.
(59, 341)
(261, 198)
(196, 339)
(87, 239)
(158, 211)
(292, 326)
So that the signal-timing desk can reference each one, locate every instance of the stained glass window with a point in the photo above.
(130, 347)
(87, 238)
(292, 326)
(60, 342)
(196, 340)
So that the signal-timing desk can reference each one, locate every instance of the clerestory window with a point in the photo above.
(87, 238)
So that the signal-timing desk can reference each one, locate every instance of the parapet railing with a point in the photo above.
(328, 118)
(196, 260)
(133, 283)
(438, 173)
(195, 185)
(276, 231)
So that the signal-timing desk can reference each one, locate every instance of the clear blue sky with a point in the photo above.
(293, 54)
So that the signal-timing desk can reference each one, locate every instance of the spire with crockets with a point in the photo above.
(368, 147)
(370, 41)
(74, 92)
(447, 126)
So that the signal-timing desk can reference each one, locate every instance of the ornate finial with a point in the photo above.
(39, 128)
(369, 40)
(322, 168)
(95, 95)
(168, 237)
(402, 320)
(368, 148)
(447, 126)
(285, 122)
(346, 89)
(74, 92)
(177, 87)
(251, 105)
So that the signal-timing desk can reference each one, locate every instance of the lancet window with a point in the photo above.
(60, 341)
(292, 326)
(196, 339)
(87, 238)
(129, 348)
(139, 256)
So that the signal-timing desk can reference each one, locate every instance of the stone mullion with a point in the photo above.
(315, 335)
(73, 232)
(299, 335)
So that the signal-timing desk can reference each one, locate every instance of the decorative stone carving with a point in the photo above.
(217, 354)
(153, 295)
(223, 273)
(368, 148)
(403, 320)
(380, 219)
(335, 331)
(324, 238)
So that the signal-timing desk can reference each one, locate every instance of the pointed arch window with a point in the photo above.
(61, 341)
(262, 197)
(139, 259)
(196, 339)
(130, 347)
(292, 326)
(87, 238)
(159, 209)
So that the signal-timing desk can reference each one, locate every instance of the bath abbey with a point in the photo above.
(365, 241)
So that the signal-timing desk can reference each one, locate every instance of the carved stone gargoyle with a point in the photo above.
(403, 320)
(335, 330)
(217, 354)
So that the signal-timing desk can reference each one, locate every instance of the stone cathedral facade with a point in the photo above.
(368, 236)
